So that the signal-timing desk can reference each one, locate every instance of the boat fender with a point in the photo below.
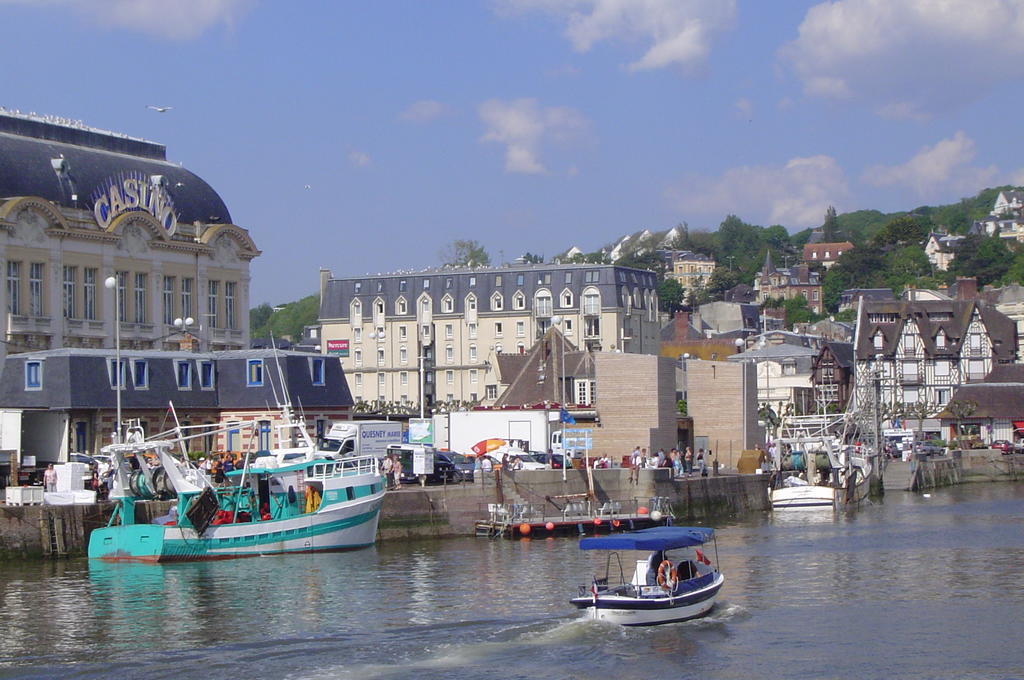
(291, 495)
(666, 575)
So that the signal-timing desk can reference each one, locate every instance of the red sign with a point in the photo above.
(338, 347)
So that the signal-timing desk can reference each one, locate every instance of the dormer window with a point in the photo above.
(878, 339)
(940, 340)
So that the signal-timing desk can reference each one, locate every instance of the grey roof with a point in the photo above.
(28, 145)
(780, 351)
(537, 372)
(80, 379)
(611, 280)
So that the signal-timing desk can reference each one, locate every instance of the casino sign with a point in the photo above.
(134, 191)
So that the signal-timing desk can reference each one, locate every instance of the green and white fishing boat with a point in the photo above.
(290, 500)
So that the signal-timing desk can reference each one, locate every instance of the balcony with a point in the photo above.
(29, 324)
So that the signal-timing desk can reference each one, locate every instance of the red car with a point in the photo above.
(1003, 445)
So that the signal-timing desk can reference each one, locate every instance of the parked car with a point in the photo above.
(445, 470)
(466, 465)
(1003, 445)
(555, 461)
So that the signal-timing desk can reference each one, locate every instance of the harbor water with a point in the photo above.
(909, 587)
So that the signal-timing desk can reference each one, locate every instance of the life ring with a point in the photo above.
(666, 575)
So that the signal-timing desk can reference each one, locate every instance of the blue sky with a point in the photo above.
(532, 125)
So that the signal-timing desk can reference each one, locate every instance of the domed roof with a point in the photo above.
(30, 146)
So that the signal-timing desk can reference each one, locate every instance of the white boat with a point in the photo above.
(674, 583)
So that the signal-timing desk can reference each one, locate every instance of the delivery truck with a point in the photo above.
(361, 437)
(529, 430)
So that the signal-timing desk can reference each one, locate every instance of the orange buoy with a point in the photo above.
(616, 523)
(642, 510)
(550, 526)
(524, 529)
(597, 521)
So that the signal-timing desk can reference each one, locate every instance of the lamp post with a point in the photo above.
(111, 284)
(184, 324)
(378, 335)
(557, 321)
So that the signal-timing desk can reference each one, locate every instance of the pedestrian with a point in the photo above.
(397, 469)
(688, 461)
(218, 473)
(677, 463)
(661, 458)
(635, 461)
(50, 478)
(229, 464)
(702, 465)
(388, 467)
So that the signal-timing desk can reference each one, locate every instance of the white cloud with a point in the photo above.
(177, 20)
(908, 58)
(678, 32)
(744, 108)
(424, 110)
(522, 125)
(359, 159)
(795, 195)
(937, 170)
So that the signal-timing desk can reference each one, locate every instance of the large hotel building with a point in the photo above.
(79, 205)
(456, 321)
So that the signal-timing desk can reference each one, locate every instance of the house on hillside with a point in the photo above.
(789, 282)
(941, 249)
(851, 297)
(825, 253)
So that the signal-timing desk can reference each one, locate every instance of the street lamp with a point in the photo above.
(557, 321)
(185, 324)
(111, 284)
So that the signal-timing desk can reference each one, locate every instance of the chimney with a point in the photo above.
(966, 288)
(681, 326)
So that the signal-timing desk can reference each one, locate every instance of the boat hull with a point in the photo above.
(803, 497)
(345, 527)
(651, 611)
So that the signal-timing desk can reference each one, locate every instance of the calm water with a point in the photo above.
(910, 588)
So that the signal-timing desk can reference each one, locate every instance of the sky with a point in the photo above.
(363, 137)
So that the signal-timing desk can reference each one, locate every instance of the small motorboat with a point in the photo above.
(675, 582)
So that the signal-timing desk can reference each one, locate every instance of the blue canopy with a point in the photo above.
(655, 538)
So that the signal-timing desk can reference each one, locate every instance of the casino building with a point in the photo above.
(79, 205)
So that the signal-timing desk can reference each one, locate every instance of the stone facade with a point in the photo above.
(79, 205)
(459, 321)
(636, 402)
(722, 400)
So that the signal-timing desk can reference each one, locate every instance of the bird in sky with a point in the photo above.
(160, 109)
(308, 187)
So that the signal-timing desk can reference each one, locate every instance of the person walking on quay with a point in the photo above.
(388, 468)
(397, 471)
(688, 461)
(635, 461)
(50, 478)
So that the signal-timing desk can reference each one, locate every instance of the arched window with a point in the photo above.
(591, 301)
(447, 304)
(566, 298)
(497, 302)
(518, 301)
(401, 306)
(542, 305)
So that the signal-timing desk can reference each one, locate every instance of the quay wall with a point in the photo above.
(982, 465)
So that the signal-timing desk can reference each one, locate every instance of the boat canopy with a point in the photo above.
(655, 538)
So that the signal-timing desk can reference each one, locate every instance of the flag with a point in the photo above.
(566, 417)
(701, 557)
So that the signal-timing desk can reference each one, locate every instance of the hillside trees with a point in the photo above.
(465, 253)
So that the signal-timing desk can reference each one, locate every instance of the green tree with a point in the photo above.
(830, 227)
(984, 257)
(287, 320)
(258, 318)
(670, 295)
(902, 231)
(721, 280)
(530, 258)
(797, 311)
(465, 253)
(905, 265)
